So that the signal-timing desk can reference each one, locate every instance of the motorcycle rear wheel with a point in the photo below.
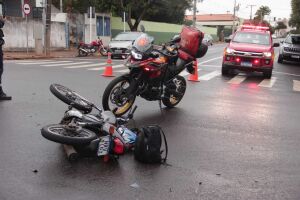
(72, 136)
(171, 100)
(82, 53)
(115, 94)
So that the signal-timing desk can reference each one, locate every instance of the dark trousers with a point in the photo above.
(1, 64)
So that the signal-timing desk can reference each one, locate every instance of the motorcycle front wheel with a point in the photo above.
(103, 52)
(174, 92)
(115, 98)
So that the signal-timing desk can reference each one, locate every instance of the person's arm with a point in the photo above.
(2, 22)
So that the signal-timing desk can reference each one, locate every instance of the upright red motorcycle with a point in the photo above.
(154, 73)
(87, 49)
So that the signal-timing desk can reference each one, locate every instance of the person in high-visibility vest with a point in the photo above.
(3, 96)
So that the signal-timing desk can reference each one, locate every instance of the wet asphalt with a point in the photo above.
(226, 141)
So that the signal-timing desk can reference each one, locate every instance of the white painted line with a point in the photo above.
(102, 68)
(65, 64)
(212, 66)
(217, 58)
(43, 63)
(185, 73)
(286, 73)
(237, 79)
(268, 82)
(123, 71)
(85, 66)
(31, 61)
(296, 85)
(209, 76)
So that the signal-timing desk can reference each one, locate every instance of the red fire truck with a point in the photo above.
(250, 49)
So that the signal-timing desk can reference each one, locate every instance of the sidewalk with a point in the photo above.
(21, 55)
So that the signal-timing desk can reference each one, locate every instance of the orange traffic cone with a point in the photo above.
(194, 77)
(108, 69)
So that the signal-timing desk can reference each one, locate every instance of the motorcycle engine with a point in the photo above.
(151, 92)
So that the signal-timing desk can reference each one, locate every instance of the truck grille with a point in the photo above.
(243, 53)
(292, 49)
(122, 50)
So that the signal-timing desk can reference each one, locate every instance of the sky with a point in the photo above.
(279, 8)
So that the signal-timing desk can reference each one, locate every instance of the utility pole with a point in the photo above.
(91, 15)
(251, 10)
(194, 14)
(61, 6)
(233, 23)
(48, 27)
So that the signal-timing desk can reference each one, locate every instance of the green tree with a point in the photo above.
(280, 25)
(295, 15)
(170, 11)
(261, 13)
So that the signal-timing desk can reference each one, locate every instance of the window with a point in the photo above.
(103, 26)
(252, 38)
(293, 39)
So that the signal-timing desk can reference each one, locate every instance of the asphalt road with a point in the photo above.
(230, 138)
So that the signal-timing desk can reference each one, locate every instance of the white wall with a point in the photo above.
(15, 34)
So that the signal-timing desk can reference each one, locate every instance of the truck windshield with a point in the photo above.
(252, 38)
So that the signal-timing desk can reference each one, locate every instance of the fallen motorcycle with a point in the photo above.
(100, 134)
(89, 49)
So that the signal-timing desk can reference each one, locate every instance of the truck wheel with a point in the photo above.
(225, 70)
(280, 59)
(268, 74)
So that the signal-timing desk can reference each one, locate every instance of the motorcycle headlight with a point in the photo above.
(267, 54)
(136, 55)
(229, 51)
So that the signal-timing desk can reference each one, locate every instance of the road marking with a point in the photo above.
(296, 86)
(286, 73)
(123, 71)
(101, 68)
(30, 61)
(237, 79)
(185, 73)
(268, 82)
(65, 64)
(42, 63)
(209, 76)
(85, 66)
(217, 58)
(211, 66)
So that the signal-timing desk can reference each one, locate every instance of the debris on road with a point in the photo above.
(135, 185)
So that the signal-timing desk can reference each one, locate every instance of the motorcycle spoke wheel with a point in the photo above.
(64, 134)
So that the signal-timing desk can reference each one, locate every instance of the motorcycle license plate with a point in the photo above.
(103, 148)
(246, 64)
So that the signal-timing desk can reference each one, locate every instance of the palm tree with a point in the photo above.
(262, 12)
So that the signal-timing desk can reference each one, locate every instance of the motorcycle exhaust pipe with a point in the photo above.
(83, 50)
